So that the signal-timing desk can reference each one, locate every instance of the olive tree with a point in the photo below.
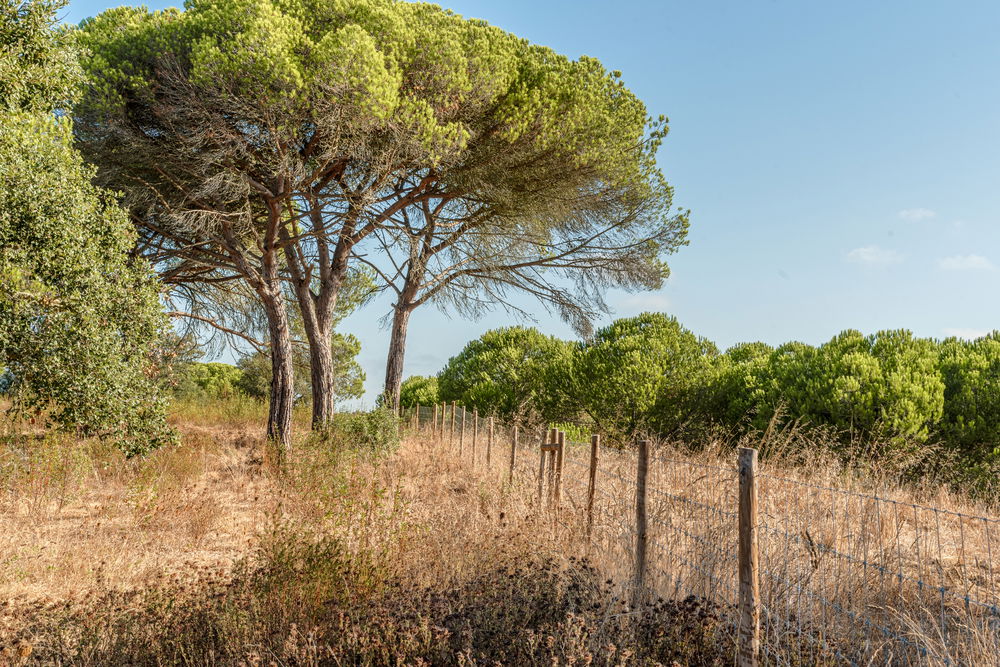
(78, 316)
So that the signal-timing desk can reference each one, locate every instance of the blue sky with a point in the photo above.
(841, 162)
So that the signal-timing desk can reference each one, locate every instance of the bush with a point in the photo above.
(210, 380)
(376, 431)
(641, 371)
(509, 372)
(418, 390)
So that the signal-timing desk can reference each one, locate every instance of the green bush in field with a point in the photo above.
(508, 372)
(641, 371)
(884, 384)
(418, 390)
(376, 431)
(210, 379)
(970, 371)
(887, 384)
(741, 389)
(79, 315)
(648, 373)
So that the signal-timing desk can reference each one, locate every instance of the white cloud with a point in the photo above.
(648, 302)
(966, 263)
(872, 255)
(916, 214)
(967, 334)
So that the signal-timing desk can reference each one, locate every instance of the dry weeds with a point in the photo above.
(205, 554)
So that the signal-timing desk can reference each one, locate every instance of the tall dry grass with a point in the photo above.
(205, 553)
(858, 564)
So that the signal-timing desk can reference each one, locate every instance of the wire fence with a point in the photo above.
(845, 577)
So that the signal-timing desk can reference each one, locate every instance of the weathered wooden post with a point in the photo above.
(461, 434)
(552, 446)
(595, 443)
(434, 424)
(489, 444)
(451, 436)
(513, 455)
(416, 418)
(560, 449)
(642, 470)
(541, 467)
(475, 434)
(749, 632)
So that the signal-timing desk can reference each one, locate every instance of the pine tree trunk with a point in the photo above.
(279, 418)
(394, 360)
(321, 375)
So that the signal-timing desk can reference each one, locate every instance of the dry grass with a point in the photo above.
(855, 568)
(204, 554)
(77, 516)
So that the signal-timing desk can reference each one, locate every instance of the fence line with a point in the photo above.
(842, 576)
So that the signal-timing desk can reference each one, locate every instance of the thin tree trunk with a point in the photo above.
(279, 418)
(394, 360)
(321, 375)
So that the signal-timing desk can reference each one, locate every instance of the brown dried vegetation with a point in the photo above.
(205, 554)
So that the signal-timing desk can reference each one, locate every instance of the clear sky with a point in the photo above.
(841, 162)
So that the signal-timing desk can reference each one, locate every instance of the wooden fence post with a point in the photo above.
(416, 418)
(451, 436)
(513, 455)
(642, 470)
(560, 447)
(434, 424)
(475, 434)
(749, 633)
(595, 443)
(541, 467)
(552, 444)
(461, 434)
(489, 444)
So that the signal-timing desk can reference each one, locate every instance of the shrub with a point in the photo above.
(418, 390)
(376, 431)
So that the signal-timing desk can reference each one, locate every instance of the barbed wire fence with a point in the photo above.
(799, 573)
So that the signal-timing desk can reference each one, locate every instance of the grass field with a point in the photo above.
(207, 554)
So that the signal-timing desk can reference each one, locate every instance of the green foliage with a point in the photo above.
(211, 380)
(892, 391)
(885, 384)
(640, 363)
(374, 431)
(449, 92)
(78, 318)
(38, 68)
(349, 377)
(418, 390)
(740, 394)
(509, 372)
(971, 374)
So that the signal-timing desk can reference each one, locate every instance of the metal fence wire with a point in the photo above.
(844, 577)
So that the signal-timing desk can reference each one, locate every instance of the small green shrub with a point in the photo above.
(376, 431)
